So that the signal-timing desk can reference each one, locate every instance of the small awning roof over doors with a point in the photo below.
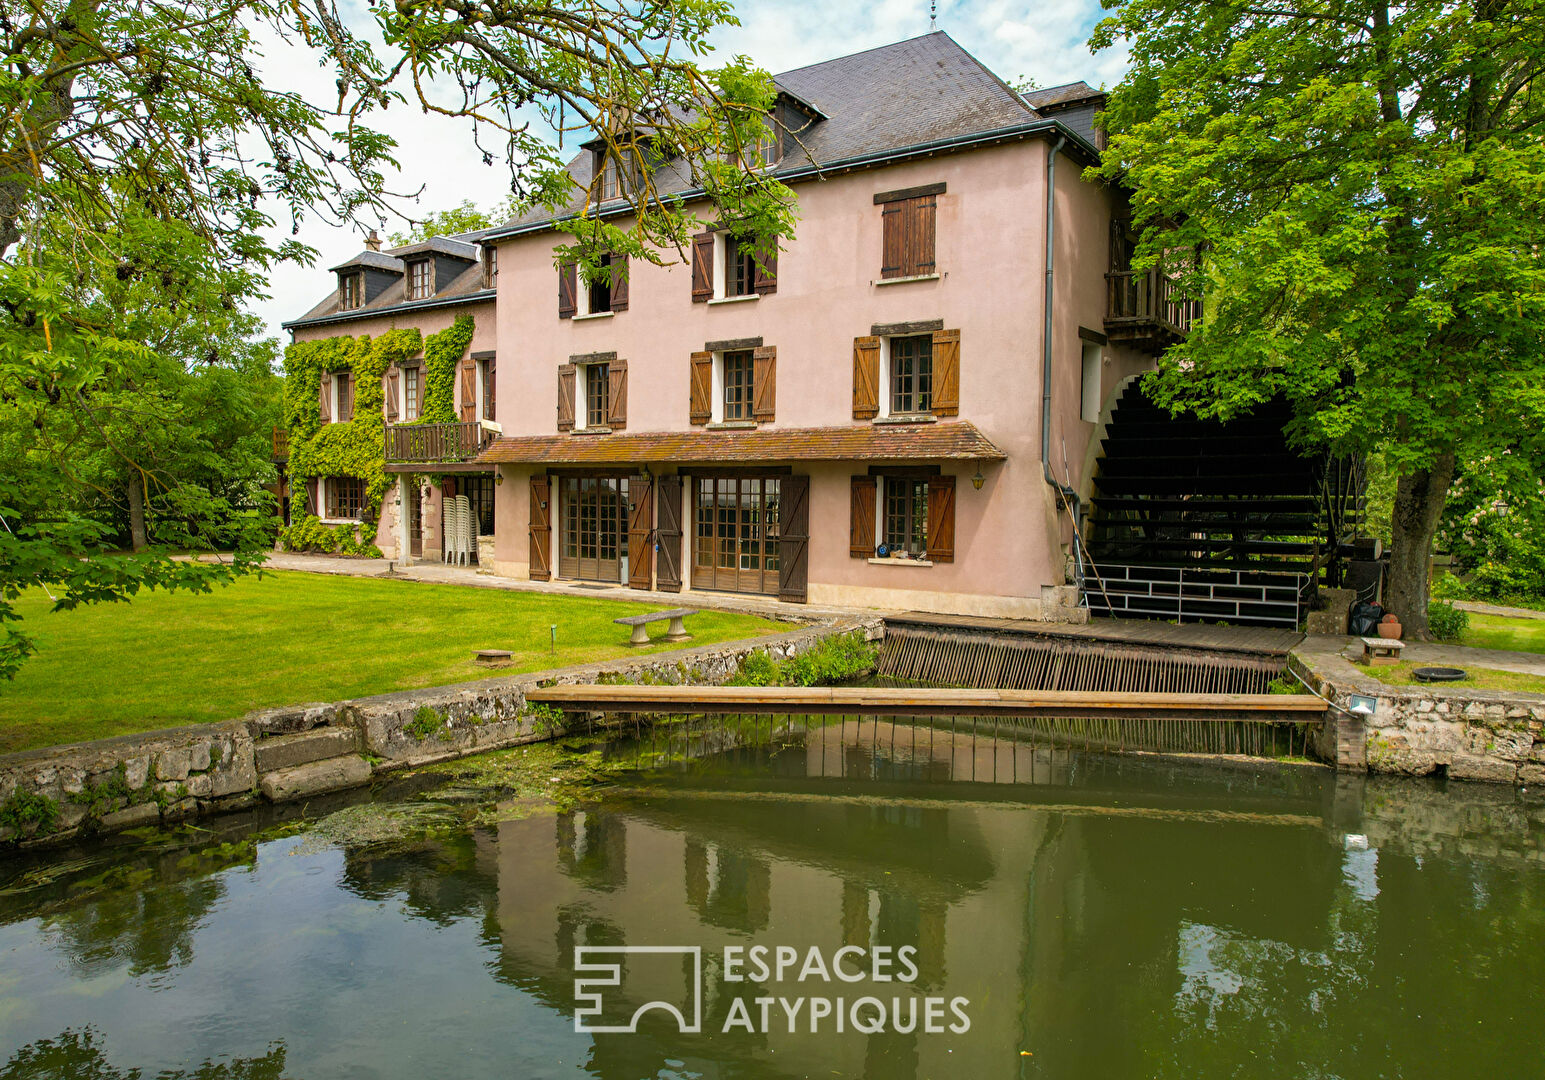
(950, 441)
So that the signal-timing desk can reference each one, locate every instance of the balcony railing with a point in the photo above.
(434, 443)
(281, 444)
(1147, 306)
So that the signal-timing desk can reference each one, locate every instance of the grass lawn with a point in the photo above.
(1497, 632)
(167, 659)
(1480, 678)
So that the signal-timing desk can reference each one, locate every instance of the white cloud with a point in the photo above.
(1046, 41)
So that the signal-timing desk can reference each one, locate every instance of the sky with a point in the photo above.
(1046, 41)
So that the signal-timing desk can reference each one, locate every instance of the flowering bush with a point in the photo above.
(1494, 526)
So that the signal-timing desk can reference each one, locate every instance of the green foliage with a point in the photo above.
(465, 217)
(1447, 622)
(1358, 198)
(546, 719)
(425, 722)
(309, 534)
(442, 352)
(26, 810)
(354, 447)
(1494, 526)
(833, 661)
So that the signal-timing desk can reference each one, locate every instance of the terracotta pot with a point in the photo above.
(1390, 628)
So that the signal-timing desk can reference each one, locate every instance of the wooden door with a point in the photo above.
(668, 530)
(794, 539)
(736, 542)
(641, 534)
(541, 529)
(593, 509)
(415, 519)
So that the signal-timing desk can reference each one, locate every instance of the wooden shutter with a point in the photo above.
(861, 530)
(566, 373)
(567, 290)
(764, 382)
(617, 394)
(794, 539)
(313, 494)
(866, 378)
(702, 387)
(946, 372)
(668, 529)
(765, 278)
(619, 283)
(640, 533)
(941, 518)
(907, 237)
(469, 390)
(893, 240)
(391, 396)
(541, 529)
(325, 397)
(920, 234)
(702, 267)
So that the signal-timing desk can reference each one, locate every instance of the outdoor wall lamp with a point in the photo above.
(498, 477)
(978, 480)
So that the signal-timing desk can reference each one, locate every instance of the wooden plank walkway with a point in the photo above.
(1260, 640)
(928, 701)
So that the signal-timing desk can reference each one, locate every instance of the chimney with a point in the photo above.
(373, 242)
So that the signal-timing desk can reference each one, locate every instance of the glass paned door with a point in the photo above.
(593, 515)
(735, 542)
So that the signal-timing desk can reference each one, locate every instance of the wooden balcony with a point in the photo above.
(281, 444)
(1145, 310)
(437, 444)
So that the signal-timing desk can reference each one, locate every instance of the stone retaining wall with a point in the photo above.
(1464, 734)
(52, 795)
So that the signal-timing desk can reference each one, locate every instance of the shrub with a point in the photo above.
(1446, 621)
(309, 534)
(425, 722)
(834, 660)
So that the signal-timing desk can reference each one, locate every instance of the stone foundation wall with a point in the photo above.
(53, 795)
(1421, 730)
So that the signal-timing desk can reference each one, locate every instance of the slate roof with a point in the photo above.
(1061, 95)
(913, 93)
(954, 440)
(467, 287)
(439, 245)
(374, 260)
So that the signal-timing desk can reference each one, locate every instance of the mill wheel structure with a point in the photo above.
(1202, 521)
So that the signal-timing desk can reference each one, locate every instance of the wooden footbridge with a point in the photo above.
(930, 701)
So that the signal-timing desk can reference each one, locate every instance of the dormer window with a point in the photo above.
(613, 179)
(350, 291)
(421, 280)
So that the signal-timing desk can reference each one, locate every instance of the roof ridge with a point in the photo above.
(871, 49)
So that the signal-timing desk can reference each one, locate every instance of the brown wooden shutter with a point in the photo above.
(391, 396)
(702, 267)
(619, 283)
(617, 394)
(640, 533)
(941, 518)
(764, 383)
(346, 404)
(794, 539)
(568, 279)
(468, 390)
(920, 234)
(866, 378)
(566, 374)
(668, 529)
(541, 529)
(893, 240)
(312, 495)
(325, 397)
(946, 372)
(765, 278)
(702, 387)
(861, 530)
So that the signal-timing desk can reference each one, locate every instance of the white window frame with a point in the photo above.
(429, 284)
(582, 396)
(323, 482)
(418, 391)
(582, 299)
(887, 387)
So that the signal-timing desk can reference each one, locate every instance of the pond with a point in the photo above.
(823, 899)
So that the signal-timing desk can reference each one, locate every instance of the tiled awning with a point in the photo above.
(950, 441)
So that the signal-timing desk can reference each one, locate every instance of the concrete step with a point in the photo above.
(315, 778)
(318, 744)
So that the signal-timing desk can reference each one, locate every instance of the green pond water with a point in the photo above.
(959, 905)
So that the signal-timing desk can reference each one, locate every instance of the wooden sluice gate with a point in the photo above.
(958, 656)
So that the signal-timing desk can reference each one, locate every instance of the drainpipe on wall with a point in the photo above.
(1046, 343)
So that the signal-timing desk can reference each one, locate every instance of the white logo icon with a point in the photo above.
(592, 973)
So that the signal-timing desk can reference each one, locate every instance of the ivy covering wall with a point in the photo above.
(356, 447)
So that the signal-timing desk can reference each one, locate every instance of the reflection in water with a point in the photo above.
(1103, 917)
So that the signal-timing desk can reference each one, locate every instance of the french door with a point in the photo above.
(415, 519)
(736, 534)
(594, 518)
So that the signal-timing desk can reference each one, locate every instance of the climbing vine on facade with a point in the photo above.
(442, 352)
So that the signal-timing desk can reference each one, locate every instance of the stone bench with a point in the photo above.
(1381, 652)
(677, 631)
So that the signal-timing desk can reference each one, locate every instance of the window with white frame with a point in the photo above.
(906, 375)
(350, 290)
(410, 393)
(343, 497)
(593, 392)
(421, 280)
(904, 515)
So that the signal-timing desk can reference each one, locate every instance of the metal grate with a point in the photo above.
(1191, 594)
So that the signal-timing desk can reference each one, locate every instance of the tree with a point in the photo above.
(465, 217)
(1357, 191)
(139, 155)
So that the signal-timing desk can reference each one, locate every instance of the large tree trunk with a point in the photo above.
(1419, 500)
(138, 539)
